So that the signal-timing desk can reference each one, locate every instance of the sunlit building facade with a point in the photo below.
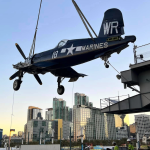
(119, 122)
(133, 128)
(34, 113)
(20, 133)
(49, 114)
(97, 125)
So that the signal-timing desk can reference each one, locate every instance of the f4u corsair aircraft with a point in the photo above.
(67, 53)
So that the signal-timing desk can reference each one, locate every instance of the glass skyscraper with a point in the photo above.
(82, 99)
(61, 111)
(97, 125)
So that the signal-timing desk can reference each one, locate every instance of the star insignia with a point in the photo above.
(70, 50)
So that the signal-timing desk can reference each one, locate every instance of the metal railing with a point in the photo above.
(141, 53)
(105, 102)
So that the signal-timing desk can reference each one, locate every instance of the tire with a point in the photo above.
(107, 66)
(61, 90)
(16, 85)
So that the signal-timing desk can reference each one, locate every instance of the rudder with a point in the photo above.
(113, 24)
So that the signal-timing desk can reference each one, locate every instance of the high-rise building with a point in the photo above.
(34, 113)
(61, 111)
(81, 99)
(1, 136)
(97, 125)
(66, 129)
(109, 126)
(142, 124)
(35, 128)
(122, 132)
(20, 133)
(49, 114)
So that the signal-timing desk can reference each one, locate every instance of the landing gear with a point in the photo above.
(105, 58)
(60, 89)
(106, 65)
(16, 85)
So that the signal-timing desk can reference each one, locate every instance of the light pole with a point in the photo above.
(53, 136)
(11, 130)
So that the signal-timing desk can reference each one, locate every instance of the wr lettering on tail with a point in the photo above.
(110, 26)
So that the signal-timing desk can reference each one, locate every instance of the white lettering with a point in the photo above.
(91, 46)
(114, 26)
(96, 46)
(54, 54)
(83, 48)
(105, 44)
(106, 27)
(87, 47)
(78, 48)
(101, 45)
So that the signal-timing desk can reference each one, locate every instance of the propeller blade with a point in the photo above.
(20, 50)
(38, 79)
(14, 75)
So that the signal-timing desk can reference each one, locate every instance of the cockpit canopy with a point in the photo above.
(62, 43)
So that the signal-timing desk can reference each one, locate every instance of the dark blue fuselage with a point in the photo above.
(79, 51)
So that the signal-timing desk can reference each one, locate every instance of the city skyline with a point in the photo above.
(99, 83)
(129, 120)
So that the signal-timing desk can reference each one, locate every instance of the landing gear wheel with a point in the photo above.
(106, 65)
(16, 85)
(61, 90)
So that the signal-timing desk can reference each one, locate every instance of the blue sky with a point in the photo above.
(59, 20)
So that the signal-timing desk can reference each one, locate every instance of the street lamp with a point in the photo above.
(11, 130)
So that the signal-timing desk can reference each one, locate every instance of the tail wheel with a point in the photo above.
(16, 85)
(61, 90)
(106, 65)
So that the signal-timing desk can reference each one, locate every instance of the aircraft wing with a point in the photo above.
(67, 73)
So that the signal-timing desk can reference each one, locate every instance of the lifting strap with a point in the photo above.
(83, 18)
(34, 39)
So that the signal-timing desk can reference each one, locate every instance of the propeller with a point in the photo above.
(14, 75)
(38, 79)
(31, 53)
(20, 50)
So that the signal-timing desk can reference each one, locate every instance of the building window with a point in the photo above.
(43, 123)
(35, 124)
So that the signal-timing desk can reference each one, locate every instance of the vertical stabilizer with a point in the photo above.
(113, 24)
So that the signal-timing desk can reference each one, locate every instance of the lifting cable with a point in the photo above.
(34, 39)
(142, 45)
(12, 110)
(72, 100)
(83, 18)
(133, 88)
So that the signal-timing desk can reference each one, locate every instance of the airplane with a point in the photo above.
(68, 53)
